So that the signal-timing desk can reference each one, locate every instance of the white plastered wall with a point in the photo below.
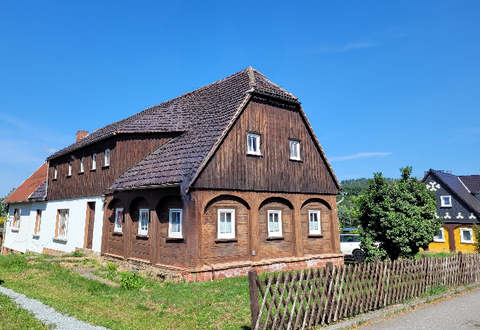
(24, 239)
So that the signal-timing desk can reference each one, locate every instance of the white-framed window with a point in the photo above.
(295, 150)
(118, 220)
(94, 162)
(82, 165)
(314, 222)
(17, 214)
(466, 235)
(274, 223)
(38, 222)
(55, 172)
(440, 237)
(226, 223)
(143, 218)
(62, 223)
(107, 157)
(446, 201)
(253, 144)
(70, 164)
(175, 223)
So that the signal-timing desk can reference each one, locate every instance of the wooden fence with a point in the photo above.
(308, 298)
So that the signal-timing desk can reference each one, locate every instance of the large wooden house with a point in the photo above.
(221, 179)
(458, 204)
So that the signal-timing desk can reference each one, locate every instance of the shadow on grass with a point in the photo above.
(246, 327)
(1, 281)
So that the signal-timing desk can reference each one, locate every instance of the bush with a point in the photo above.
(476, 233)
(131, 281)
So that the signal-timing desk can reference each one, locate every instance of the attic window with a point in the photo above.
(253, 144)
(94, 162)
(295, 150)
(446, 201)
(69, 169)
(107, 157)
(55, 173)
(82, 165)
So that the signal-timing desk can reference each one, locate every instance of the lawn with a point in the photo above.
(14, 318)
(221, 304)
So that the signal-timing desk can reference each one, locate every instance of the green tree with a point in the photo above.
(400, 215)
(476, 233)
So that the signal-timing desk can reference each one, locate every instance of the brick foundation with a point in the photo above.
(205, 275)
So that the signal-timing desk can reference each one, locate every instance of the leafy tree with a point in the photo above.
(400, 215)
(476, 233)
(4, 209)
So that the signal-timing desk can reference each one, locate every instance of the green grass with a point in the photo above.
(14, 318)
(434, 254)
(221, 304)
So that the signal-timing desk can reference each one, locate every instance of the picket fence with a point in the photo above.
(308, 298)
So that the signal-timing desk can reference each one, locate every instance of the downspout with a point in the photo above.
(343, 194)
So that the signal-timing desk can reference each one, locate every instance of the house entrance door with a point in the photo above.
(89, 225)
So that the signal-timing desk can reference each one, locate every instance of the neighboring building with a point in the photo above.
(458, 204)
(26, 207)
(221, 179)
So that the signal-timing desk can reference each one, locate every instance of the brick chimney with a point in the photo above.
(81, 134)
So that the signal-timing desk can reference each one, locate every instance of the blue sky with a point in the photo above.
(384, 84)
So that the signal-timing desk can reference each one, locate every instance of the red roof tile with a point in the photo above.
(22, 193)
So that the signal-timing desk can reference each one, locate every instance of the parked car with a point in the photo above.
(350, 246)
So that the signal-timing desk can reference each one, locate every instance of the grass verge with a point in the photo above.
(221, 304)
(14, 318)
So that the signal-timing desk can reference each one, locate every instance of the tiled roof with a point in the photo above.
(26, 189)
(457, 186)
(205, 114)
(201, 118)
(472, 182)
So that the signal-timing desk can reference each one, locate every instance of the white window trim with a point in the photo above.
(55, 173)
(67, 215)
(94, 162)
(314, 231)
(442, 199)
(117, 228)
(280, 232)
(232, 233)
(140, 230)
(38, 223)
(442, 239)
(170, 224)
(461, 235)
(107, 157)
(82, 165)
(70, 165)
(256, 139)
(16, 221)
(295, 145)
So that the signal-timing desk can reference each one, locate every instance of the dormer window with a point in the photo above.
(107, 157)
(446, 201)
(253, 144)
(94, 162)
(69, 168)
(82, 165)
(294, 150)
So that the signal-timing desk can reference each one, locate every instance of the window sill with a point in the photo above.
(466, 242)
(438, 241)
(93, 170)
(81, 173)
(142, 236)
(36, 236)
(255, 155)
(225, 240)
(15, 229)
(315, 236)
(296, 160)
(446, 206)
(105, 167)
(69, 176)
(275, 238)
(60, 239)
(175, 239)
(117, 233)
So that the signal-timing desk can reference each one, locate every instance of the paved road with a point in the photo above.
(457, 313)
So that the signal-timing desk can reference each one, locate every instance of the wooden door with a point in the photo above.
(89, 225)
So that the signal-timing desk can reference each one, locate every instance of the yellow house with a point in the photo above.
(458, 204)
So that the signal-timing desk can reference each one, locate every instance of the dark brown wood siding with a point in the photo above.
(275, 247)
(315, 244)
(231, 167)
(125, 152)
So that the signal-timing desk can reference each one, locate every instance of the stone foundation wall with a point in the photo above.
(274, 267)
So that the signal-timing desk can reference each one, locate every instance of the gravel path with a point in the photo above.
(47, 314)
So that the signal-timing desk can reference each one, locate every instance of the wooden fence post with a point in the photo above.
(461, 267)
(254, 305)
